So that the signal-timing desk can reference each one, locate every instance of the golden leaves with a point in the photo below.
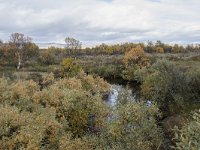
(136, 56)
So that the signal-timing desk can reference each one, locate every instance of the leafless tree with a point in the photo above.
(18, 42)
(72, 44)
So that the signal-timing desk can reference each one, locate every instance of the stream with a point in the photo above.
(116, 89)
(113, 95)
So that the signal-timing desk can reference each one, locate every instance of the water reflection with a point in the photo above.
(113, 96)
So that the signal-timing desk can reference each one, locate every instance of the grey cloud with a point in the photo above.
(101, 20)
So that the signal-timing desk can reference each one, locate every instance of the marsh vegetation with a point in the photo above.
(56, 98)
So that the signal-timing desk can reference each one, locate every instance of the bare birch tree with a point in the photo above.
(21, 46)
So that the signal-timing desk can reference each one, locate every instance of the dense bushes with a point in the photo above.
(133, 126)
(32, 118)
(134, 60)
(71, 114)
(46, 58)
(171, 87)
(188, 137)
(68, 68)
(21, 129)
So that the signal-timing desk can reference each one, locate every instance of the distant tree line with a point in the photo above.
(150, 47)
(118, 49)
(20, 50)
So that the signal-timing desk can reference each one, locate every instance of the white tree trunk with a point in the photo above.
(19, 62)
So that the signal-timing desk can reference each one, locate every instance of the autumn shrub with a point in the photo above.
(175, 89)
(129, 72)
(136, 56)
(12, 92)
(159, 50)
(93, 84)
(82, 81)
(85, 143)
(85, 114)
(83, 111)
(133, 125)
(107, 71)
(167, 84)
(193, 79)
(188, 137)
(47, 80)
(4, 90)
(36, 77)
(70, 113)
(76, 103)
(142, 74)
(31, 118)
(68, 68)
(134, 60)
(26, 130)
(23, 89)
(46, 57)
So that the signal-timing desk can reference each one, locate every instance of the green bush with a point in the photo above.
(68, 68)
(133, 126)
(167, 84)
(188, 137)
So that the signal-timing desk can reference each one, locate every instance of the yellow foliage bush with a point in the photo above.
(70, 114)
(69, 68)
(159, 50)
(70, 98)
(94, 85)
(25, 130)
(136, 56)
(24, 89)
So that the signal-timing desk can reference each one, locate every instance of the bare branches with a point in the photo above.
(21, 45)
(72, 44)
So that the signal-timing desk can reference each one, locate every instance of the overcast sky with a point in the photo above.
(98, 21)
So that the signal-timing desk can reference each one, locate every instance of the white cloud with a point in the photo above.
(94, 21)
